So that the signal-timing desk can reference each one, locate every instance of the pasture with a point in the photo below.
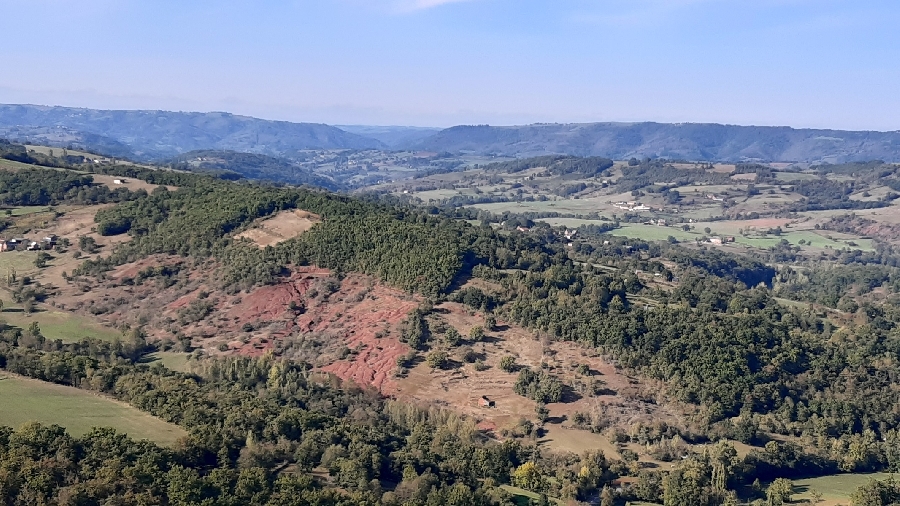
(835, 489)
(27, 400)
(654, 233)
(22, 211)
(171, 360)
(562, 206)
(65, 326)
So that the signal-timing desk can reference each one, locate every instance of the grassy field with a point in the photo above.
(26, 400)
(169, 359)
(574, 206)
(654, 233)
(68, 327)
(794, 176)
(835, 489)
(571, 222)
(811, 238)
(22, 211)
(22, 262)
(522, 496)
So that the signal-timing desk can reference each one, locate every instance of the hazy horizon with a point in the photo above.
(439, 63)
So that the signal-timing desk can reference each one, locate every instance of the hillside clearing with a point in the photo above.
(28, 400)
(835, 489)
(63, 325)
(280, 227)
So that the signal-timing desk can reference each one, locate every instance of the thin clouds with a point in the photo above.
(419, 5)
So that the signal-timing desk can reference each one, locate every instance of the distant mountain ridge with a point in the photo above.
(689, 141)
(392, 136)
(162, 134)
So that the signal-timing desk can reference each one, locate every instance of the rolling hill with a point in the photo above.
(690, 141)
(150, 135)
(251, 166)
(159, 135)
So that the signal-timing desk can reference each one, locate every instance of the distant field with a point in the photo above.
(9, 164)
(430, 195)
(654, 233)
(22, 211)
(794, 176)
(571, 222)
(26, 400)
(835, 489)
(169, 359)
(700, 189)
(59, 151)
(68, 327)
(812, 240)
(565, 206)
(523, 497)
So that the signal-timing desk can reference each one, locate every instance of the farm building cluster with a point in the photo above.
(14, 244)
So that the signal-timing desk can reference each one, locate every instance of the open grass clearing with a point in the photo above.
(811, 239)
(835, 489)
(435, 195)
(55, 324)
(524, 497)
(562, 206)
(571, 222)
(172, 360)
(654, 233)
(20, 262)
(47, 150)
(795, 176)
(280, 227)
(22, 211)
(27, 400)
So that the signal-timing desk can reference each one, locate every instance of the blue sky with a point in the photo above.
(804, 63)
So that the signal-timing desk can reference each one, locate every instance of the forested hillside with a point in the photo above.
(162, 134)
(683, 141)
(235, 165)
(802, 390)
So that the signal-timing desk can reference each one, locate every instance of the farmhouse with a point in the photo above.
(12, 244)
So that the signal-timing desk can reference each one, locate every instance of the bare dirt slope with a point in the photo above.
(624, 402)
(280, 227)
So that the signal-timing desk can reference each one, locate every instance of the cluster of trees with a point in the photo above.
(19, 153)
(836, 286)
(822, 194)
(538, 386)
(44, 187)
(648, 172)
(249, 420)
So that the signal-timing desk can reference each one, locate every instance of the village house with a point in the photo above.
(11, 244)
